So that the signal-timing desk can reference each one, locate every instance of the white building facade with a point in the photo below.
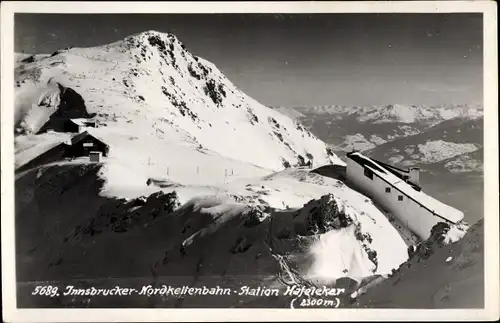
(399, 195)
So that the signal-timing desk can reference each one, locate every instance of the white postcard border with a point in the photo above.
(490, 85)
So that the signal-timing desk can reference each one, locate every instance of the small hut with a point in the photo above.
(84, 143)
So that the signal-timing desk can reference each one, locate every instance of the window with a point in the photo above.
(400, 197)
(387, 189)
(368, 173)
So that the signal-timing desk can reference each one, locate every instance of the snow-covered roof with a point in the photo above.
(83, 135)
(442, 210)
(82, 121)
(79, 121)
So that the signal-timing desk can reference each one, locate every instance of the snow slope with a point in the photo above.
(150, 83)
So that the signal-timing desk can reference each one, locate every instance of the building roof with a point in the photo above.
(79, 137)
(80, 122)
(401, 173)
(442, 210)
(365, 161)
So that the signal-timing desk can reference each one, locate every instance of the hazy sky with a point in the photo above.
(297, 60)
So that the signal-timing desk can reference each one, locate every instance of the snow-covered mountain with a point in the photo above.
(151, 81)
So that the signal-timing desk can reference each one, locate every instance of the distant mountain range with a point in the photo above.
(393, 112)
(441, 131)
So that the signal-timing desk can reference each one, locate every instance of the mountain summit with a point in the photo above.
(151, 86)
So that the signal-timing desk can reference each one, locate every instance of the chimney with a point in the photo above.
(415, 175)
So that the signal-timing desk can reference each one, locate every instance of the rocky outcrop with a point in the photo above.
(71, 106)
(320, 216)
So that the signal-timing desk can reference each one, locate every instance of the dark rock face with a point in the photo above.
(253, 218)
(193, 72)
(120, 216)
(321, 216)
(166, 49)
(180, 105)
(71, 106)
(366, 240)
(285, 163)
(29, 59)
(436, 240)
(215, 93)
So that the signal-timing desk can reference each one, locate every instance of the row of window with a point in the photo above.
(369, 174)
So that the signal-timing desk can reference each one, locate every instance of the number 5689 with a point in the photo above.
(50, 291)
